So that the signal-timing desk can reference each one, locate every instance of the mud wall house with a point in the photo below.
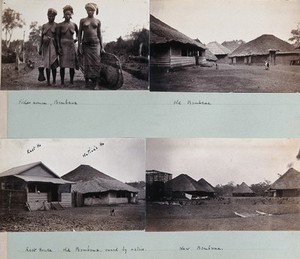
(92, 187)
(287, 185)
(219, 51)
(242, 190)
(266, 47)
(33, 186)
(155, 185)
(170, 48)
(210, 191)
(183, 186)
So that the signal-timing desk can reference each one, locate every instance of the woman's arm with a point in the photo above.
(80, 37)
(100, 37)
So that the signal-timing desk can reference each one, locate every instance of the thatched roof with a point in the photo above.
(261, 46)
(206, 185)
(242, 188)
(290, 180)
(184, 183)
(89, 179)
(233, 45)
(19, 170)
(161, 33)
(217, 49)
(207, 54)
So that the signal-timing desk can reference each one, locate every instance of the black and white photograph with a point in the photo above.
(72, 185)
(228, 46)
(75, 45)
(222, 184)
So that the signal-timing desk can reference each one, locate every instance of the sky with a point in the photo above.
(226, 20)
(118, 17)
(220, 161)
(123, 159)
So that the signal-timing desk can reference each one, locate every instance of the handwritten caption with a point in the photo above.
(92, 149)
(190, 102)
(34, 148)
(123, 249)
(87, 249)
(43, 103)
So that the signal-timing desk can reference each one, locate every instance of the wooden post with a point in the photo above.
(9, 202)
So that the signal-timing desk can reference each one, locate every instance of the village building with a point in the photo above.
(233, 44)
(155, 185)
(287, 185)
(184, 186)
(35, 187)
(265, 48)
(170, 48)
(219, 51)
(206, 185)
(92, 187)
(242, 190)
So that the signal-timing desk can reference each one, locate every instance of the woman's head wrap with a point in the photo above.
(52, 12)
(92, 6)
(68, 8)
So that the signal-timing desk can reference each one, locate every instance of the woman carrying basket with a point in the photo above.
(90, 45)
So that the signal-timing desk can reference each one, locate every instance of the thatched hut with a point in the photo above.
(183, 186)
(207, 186)
(93, 187)
(34, 186)
(233, 44)
(242, 190)
(287, 185)
(155, 185)
(219, 51)
(170, 48)
(266, 47)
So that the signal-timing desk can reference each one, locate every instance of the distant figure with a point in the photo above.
(267, 65)
(217, 66)
(112, 212)
(48, 46)
(66, 44)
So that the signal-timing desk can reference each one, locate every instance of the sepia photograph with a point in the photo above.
(75, 45)
(222, 184)
(228, 46)
(72, 185)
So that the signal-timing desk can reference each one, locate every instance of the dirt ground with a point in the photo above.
(127, 217)
(219, 215)
(26, 79)
(228, 78)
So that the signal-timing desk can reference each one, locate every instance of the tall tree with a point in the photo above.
(35, 35)
(296, 36)
(10, 21)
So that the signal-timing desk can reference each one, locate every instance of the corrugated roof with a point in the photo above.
(185, 183)
(160, 33)
(217, 49)
(23, 168)
(89, 179)
(242, 188)
(28, 178)
(290, 180)
(261, 46)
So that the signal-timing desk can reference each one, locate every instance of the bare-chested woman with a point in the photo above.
(90, 45)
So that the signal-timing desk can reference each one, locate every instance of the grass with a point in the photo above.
(228, 78)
